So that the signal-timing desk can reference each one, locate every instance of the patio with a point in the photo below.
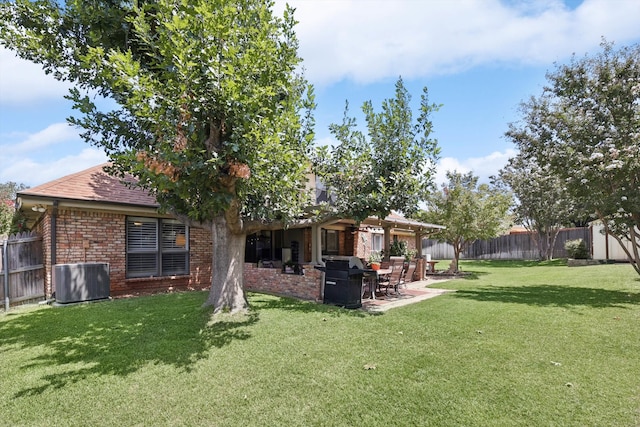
(414, 292)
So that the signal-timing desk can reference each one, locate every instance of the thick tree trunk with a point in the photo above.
(227, 288)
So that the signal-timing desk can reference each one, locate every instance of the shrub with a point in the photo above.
(398, 248)
(576, 249)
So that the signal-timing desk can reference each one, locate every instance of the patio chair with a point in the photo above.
(410, 272)
(394, 278)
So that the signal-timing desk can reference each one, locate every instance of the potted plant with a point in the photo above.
(375, 258)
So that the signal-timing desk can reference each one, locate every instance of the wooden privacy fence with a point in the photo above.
(511, 246)
(21, 269)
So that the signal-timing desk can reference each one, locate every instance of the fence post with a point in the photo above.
(5, 267)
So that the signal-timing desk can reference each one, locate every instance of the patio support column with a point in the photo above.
(316, 254)
(419, 243)
(316, 244)
(420, 267)
(387, 242)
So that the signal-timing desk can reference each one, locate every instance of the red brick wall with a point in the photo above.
(92, 236)
(411, 241)
(273, 281)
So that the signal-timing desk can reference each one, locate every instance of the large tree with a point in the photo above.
(543, 205)
(388, 167)
(210, 111)
(469, 210)
(590, 115)
(213, 117)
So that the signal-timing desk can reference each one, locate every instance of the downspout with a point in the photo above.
(54, 226)
(54, 243)
(5, 261)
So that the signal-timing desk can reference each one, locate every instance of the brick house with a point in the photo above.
(91, 217)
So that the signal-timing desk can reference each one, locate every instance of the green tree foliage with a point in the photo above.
(589, 117)
(391, 167)
(543, 204)
(211, 114)
(9, 222)
(469, 211)
(6, 217)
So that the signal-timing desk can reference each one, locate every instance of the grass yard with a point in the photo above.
(519, 343)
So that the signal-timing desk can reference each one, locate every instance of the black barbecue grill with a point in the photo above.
(342, 285)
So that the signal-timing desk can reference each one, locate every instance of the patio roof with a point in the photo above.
(399, 222)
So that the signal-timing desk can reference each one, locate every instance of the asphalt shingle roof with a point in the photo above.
(95, 185)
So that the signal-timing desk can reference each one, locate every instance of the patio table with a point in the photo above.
(431, 266)
(373, 277)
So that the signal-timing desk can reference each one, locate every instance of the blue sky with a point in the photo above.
(478, 58)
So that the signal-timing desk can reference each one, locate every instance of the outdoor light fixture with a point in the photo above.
(38, 208)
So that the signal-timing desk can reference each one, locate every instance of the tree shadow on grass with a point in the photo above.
(119, 337)
(553, 295)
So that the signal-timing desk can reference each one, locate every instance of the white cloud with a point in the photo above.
(483, 167)
(370, 40)
(34, 172)
(23, 81)
(56, 133)
(44, 155)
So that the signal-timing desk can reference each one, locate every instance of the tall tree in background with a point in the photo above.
(211, 114)
(390, 167)
(469, 211)
(543, 205)
(8, 222)
(590, 115)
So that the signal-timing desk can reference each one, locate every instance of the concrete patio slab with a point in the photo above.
(413, 293)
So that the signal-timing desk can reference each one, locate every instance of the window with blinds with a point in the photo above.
(156, 247)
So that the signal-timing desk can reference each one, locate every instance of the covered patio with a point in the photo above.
(333, 240)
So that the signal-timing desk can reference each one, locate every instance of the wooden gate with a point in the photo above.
(21, 269)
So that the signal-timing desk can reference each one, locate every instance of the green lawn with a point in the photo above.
(517, 344)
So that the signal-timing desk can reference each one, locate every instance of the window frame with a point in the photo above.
(326, 250)
(159, 251)
(377, 242)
